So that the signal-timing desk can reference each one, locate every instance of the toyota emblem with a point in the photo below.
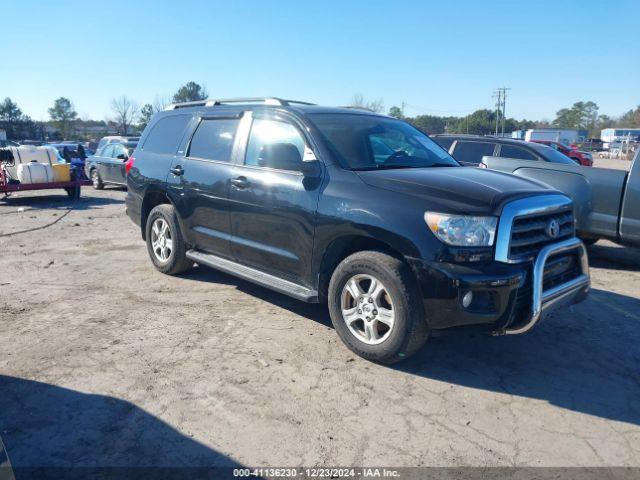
(553, 228)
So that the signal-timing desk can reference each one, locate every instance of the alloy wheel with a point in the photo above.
(161, 239)
(367, 309)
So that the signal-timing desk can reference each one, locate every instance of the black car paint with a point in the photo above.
(292, 225)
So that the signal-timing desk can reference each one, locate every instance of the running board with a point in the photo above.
(254, 276)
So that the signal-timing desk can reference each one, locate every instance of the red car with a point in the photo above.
(583, 158)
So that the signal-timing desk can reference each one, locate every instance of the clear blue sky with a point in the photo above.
(443, 57)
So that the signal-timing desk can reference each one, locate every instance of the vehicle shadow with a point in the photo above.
(586, 361)
(583, 359)
(62, 433)
(56, 202)
(607, 255)
(313, 311)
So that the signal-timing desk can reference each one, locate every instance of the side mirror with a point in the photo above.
(310, 168)
(122, 156)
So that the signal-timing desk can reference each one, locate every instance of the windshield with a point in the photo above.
(551, 154)
(368, 142)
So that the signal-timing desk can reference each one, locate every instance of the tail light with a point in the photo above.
(129, 165)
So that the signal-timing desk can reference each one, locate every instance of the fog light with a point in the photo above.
(467, 299)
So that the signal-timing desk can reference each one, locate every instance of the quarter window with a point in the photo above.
(213, 139)
(443, 142)
(510, 151)
(274, 144)
(472, 152)
(166, 134)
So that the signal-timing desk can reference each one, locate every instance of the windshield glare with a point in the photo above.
(368, 142)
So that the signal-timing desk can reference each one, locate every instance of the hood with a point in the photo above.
(457, 189)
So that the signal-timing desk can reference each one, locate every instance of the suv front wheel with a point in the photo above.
(164, 241)
(375, 307)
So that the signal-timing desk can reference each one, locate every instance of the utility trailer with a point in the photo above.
(9, 185)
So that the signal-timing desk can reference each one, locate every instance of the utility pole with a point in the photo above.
(497, 94)
(504, 106)
(501, 107)
(402, 109)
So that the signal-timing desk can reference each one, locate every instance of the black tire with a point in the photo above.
(410, 330)
(98, 184)
(176, 261)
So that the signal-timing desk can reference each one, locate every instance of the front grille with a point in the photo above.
(529, 234)
(560, 269)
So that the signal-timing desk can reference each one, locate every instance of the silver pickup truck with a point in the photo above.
(606, 201)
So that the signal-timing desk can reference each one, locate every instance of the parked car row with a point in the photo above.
(469, 150)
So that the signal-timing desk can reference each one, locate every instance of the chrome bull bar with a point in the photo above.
(567, 293)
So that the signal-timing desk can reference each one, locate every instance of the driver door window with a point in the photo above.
(107, 151)
(274, 144)
(118, 150)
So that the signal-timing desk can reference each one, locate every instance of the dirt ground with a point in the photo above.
(104, 361)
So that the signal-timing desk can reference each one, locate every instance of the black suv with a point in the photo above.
(355, 209)
(469, 149)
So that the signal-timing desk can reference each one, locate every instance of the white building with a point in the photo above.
(565, 136)
(610, 135)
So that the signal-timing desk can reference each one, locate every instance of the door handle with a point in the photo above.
(177, 170)
(240, 182)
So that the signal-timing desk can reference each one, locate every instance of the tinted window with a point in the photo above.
(511, 151)
(551, 155)
(472, 152)
(443, 142)
(274, 144)
(166, 134)
(213, 139)
(368, 142)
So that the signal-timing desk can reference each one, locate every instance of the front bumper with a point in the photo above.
(508, 298)
(567, 293)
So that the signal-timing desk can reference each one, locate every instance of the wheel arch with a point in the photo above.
(151, 199)
(343, 246)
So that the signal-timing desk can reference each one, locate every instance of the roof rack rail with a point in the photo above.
(210, 102)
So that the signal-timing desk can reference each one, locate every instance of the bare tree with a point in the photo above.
(160, 103)
(125, 112)
(359, 101)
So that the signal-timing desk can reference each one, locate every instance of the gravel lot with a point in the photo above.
(104, 361)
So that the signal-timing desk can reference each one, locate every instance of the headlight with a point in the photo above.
(462, 230)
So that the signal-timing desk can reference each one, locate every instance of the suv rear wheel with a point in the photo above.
(376, 308)
(164, 241)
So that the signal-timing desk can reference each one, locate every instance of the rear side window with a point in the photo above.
(213, 139)
(166, 134)
(510, 151)
(472, 152)
(443, 142)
